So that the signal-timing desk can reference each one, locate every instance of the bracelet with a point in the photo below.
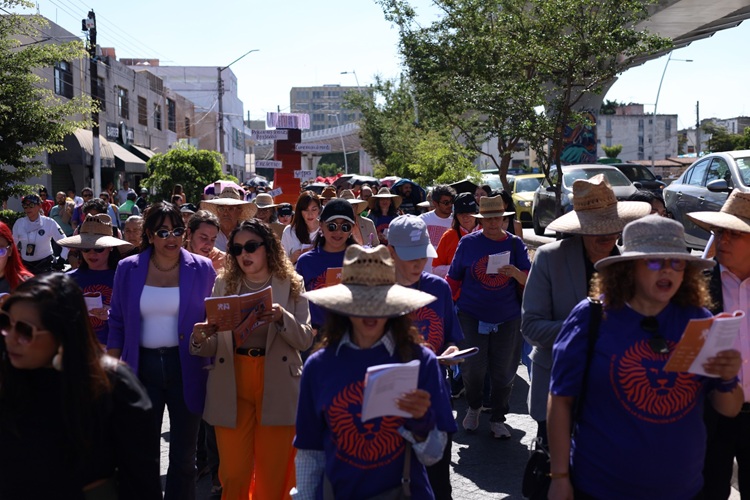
(558, 475)
(726, 386)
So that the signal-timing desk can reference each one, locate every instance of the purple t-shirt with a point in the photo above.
(437, 321)
(492, 298)
(312, 266)
(641, 431)
(92, 282)
(362, 459)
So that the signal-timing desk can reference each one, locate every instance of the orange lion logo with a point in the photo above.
(365, 445)
(647, 391)
(430, 327)
(488, 281)
(318, 282)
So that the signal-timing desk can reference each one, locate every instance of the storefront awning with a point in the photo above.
(144, 154)
(79, 150)
(127, 161)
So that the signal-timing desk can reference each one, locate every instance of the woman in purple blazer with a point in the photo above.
(157, 297)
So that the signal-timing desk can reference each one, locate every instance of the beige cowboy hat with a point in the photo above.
(328, 193)
(492, 206)
(596, 210)
(654, 237)
(95, 232)
(734, 214)
(264, 200)
(230, 197)
(384, 193)
(357, 204)
(368, 287)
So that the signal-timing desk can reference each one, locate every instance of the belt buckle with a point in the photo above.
(254, 353)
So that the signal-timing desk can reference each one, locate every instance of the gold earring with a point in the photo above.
(57, 361)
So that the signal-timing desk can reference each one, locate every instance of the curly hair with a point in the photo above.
(278, 262)
(404, 333)
(616, 283)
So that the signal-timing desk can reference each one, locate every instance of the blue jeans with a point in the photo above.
(499, 353)
(161, 374)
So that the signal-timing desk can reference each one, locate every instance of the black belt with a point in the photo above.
(253, 352)
(745, 408)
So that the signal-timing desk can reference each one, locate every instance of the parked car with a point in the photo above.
(543, 207)
(705, 186)
(522, 190)
(641, 176)
(491, 178)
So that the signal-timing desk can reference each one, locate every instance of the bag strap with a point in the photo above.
(595, 319)
(406, 473)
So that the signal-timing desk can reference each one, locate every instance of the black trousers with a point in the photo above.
(727, 438)
(439, 474)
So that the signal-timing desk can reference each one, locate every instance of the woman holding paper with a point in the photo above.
(253, 386)
(490, 268)
(368, 324)
(639, 432)
(157, 297)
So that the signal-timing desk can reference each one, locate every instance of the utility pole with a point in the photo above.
(697, 129)
(89, 24)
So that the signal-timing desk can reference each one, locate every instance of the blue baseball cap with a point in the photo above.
(408, 235)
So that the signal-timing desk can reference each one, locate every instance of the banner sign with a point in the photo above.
(267, 164)
(272, 135)
(276, 192)
(313, 148)
(304, 175)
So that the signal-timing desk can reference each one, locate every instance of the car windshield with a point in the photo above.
(614, 176)
(743, 165)
(493, 181)
(636, 172)
(527, 184)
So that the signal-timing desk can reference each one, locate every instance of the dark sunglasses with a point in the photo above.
(344, 226)
(29, 205)
(87, 195)
(97, 250)
(659, 264)
(25, 332)
(249, 247)
(446, 203)
(176, 232)
(657, 342)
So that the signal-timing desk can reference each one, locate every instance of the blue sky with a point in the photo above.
(305, 43)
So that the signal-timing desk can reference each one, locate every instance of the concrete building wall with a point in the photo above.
(639, 136)
(325, 104)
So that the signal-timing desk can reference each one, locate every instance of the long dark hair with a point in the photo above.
(377, 212)
(405, 335)
(63, 312)
(298, 221)
(154, 217)
(15, 272)
(114, 257)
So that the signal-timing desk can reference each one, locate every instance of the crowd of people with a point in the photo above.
(268, 400)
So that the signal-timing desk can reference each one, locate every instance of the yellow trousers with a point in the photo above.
(271, 476)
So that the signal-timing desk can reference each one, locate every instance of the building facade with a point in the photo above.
(325, 104)
(641, 135)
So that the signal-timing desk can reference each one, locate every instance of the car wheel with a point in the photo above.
(538, 229)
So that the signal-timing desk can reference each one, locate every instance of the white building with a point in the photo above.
(640, 135)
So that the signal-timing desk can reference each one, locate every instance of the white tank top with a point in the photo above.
(160, 309)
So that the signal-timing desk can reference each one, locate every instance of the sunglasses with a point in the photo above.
(87, 195)
(446, 203)
(26, 332)
(659, 264)
(4, 251)
(249, 247)
(344, 226)
(29, 205)
(657, 342)
(97, 250)
(176, 232)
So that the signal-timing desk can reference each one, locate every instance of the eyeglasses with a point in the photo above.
(446, 203)
(87, 195)
(97, 250)
(249, 247)
(26, 332)
(659, 264)
(29, 205)
(4, 251)
(176, 232)
(720, 232)
(344, 226)
(657, 342)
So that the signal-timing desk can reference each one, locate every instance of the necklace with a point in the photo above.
(153, 261)
(256, 288)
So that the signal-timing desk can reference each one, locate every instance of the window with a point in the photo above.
(640, 126)
(319, 117)
(142, 111)
(695, 175)
(668, 127)
(317, 94)
(303, 94)
(719, 170)
(123, 109)
(171, 115)
(157, 116)
(63, 80)
(609, 125)
(187, 127)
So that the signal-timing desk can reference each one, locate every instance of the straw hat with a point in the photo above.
(596, 210)
(492, 206)
(368, 287)
(95, 232)
(264, 200)
(356, 203)
(328, 193)
(734, 214)
(384, 193)
(654, 237)
(230, 196)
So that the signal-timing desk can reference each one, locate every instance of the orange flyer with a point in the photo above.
(333, 276)
(239, 313)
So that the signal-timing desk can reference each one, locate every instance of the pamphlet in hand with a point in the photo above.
(384, 384)
(93, 300)
(333, 276)
(459, 355)
(496, 261)
(703, 339)
(239, 313)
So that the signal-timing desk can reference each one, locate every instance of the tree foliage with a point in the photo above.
(186, 165)
(612, 151)
(436, 161)
(719, 138)
(33, 120)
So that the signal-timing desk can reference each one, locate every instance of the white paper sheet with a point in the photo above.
(496, 261)
(384, 384)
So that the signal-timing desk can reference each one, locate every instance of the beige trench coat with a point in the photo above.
(283, 364)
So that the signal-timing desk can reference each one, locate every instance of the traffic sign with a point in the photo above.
(313, 148)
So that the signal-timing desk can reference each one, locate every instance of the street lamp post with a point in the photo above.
(656, 104)
(343, 148)
(220, 87)
(352, 72)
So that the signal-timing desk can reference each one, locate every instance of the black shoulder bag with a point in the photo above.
(536, 480)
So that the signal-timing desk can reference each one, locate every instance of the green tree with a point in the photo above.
(438, 161)
(186, 165)
(33, 120)
(328, 169)
(612, 151)
(719, 139)
(609, 107)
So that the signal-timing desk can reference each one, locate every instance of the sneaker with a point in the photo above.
(499, 431)
(471, 420)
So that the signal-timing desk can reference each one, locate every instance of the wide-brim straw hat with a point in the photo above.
(654, 237)
(264, 200)
(368, 287)
(328, 193)
(596, 210)
(95, 232)
(231, 197)
(492, 206)
(384, 192)
(734, 214)
(356, 203)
